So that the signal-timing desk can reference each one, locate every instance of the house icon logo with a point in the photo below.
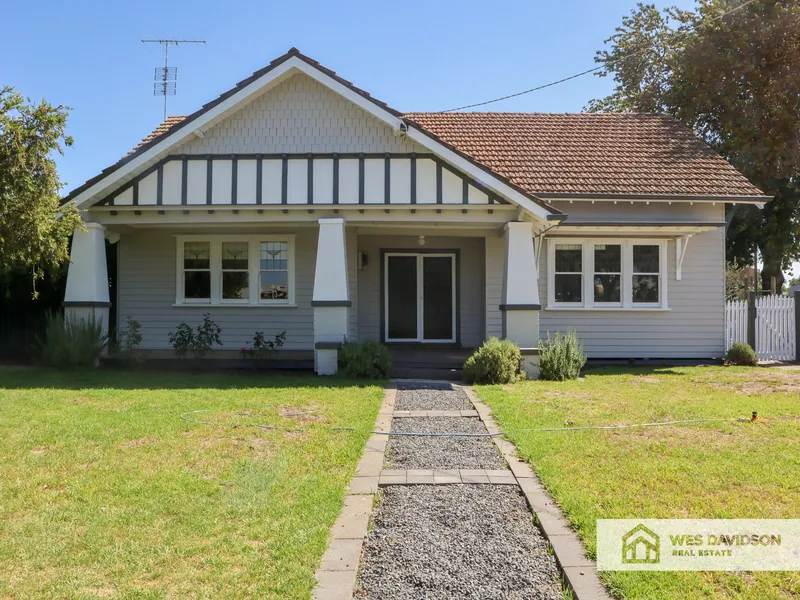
(641, 546)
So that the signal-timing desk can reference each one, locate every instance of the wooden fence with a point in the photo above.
(768, 323)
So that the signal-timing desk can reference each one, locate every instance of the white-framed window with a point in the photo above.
(607, 274)
(568, 275)
(273, 274)
(196, 271)
(248, 270)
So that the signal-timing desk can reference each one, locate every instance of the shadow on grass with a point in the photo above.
(632, 370)
(107, 378)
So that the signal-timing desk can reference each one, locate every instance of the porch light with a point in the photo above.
(421, 240)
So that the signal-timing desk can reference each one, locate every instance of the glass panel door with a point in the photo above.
(437, 298)
(401, 298)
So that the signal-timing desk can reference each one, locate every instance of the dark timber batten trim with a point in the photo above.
(413, 179)
(234, 178)
(310, 179)
(160, 185)
(438, 182)
(209, 180)
(387, 179)
(259, 179)
(309, 158)
(285, 180)
(184, 180)
(361, 179)
(336, 179)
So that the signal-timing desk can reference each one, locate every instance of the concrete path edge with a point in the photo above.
(336, 576)
(579, 572)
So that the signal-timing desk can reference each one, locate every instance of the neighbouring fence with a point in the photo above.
(768, 323)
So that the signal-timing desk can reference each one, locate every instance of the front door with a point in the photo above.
(419, 296)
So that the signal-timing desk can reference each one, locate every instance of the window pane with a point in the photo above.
(568, 288)
(645, 288)
(197, 285)
(234, 255)
(235, 285)
(607, 288)
(569, 258)
(274, 256)
(274, 285)
(645, 259)
(607, 258)
(196, 255)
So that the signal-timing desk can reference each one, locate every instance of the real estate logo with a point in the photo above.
(641, 546)
(698, 544)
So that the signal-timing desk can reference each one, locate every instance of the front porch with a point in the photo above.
(431, 292)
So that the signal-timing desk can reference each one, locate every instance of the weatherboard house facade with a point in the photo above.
(296, 201)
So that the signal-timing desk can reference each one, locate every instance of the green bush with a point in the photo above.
(369, 360)
(128, 345)
(199, 342)
(497, 361)
(561, 357)
(741, 354)
(71, 341)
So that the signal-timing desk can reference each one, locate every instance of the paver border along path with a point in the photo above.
(337, 575)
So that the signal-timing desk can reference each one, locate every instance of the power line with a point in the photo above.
(582, 73)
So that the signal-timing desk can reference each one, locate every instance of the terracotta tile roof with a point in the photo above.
(165, 126)
(590, 153)
(584, 153)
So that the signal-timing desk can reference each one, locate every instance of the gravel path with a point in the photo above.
(406, 452)
(455, 541)
(430, 396)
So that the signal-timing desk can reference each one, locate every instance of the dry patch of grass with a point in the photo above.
(717, 469)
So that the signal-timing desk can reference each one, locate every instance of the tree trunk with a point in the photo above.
(772, 268)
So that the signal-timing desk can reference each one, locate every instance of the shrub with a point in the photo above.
(368, 360)
(72, 341)
(262, 348)
(561, 357)
(129, 339)
(199, 342)
(497, 361)
(741, 354)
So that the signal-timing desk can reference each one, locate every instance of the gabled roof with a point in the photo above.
(521, 155)
(171, 134)
(591, 153)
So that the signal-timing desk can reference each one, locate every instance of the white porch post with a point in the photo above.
(87, 277)
(521, 294)
(331, 300)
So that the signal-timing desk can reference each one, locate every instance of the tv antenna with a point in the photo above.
(166, 77)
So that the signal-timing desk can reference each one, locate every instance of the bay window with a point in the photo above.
(251, 270)
(607, 274)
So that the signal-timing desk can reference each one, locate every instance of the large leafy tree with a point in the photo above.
(731, 71)
(34, 228)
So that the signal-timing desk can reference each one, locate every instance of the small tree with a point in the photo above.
(34, 228)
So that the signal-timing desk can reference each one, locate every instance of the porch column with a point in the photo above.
(521, 294)
(87, 277)
(331, 299)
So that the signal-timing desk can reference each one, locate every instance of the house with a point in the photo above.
(296, 201)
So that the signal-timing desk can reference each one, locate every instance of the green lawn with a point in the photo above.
(105, 492)
(702, 470)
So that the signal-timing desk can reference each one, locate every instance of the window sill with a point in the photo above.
(231, 305)
(607, 309)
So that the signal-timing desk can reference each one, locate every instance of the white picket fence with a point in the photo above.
(775, 326)
(735, 322)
